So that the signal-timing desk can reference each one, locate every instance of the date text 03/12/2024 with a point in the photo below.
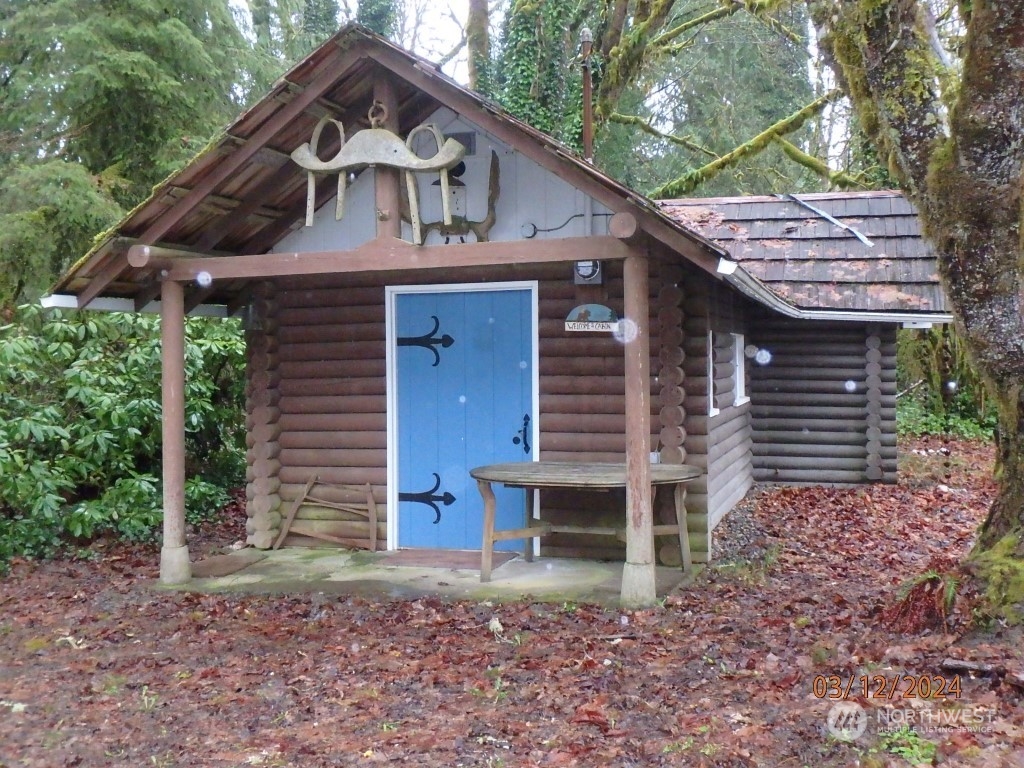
(839, 687)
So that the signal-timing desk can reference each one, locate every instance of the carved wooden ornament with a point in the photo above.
(377, 146)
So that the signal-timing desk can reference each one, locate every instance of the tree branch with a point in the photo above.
(836, 178)
(756, 7)
(626, 58)
(690, 181)
(646, 127)
(781, 29)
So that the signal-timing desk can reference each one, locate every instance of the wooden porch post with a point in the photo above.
(638, 584)
(175, 567)
(387, 180)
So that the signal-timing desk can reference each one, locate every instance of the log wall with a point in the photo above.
(317, 400)
(718, 442)
(824, 406)
(582, 412)
(329, 396)
(333, 400)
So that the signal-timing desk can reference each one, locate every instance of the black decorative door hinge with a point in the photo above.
(430, 498)
(428, 341)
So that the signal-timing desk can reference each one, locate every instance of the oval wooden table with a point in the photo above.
(586, 476)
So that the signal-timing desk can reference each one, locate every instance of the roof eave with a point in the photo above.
(750, 286)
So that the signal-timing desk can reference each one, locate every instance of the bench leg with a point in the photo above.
(528, 548)
(488, 544)
(684, 533)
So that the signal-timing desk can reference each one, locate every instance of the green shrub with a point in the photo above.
(914, 418)
(80, 425)
(943, 393)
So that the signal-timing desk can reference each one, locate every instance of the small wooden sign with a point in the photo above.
(592, 318)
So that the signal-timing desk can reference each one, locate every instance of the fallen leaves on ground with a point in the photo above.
(741, 668)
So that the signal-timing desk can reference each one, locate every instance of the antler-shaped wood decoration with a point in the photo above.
(370, 147)
(460, 226)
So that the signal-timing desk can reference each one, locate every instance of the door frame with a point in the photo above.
(391, 293)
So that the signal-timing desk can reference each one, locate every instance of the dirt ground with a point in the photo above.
(776, 656)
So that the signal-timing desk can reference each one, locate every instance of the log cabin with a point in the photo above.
(427, 284)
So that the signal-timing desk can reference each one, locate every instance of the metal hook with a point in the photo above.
(377, 114)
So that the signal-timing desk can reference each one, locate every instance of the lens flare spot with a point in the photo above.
(625, 331)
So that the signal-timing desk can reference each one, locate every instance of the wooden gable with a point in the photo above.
(244, 196)
(525, 200)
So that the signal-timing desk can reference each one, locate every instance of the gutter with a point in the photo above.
(753, 288)
(69, 301)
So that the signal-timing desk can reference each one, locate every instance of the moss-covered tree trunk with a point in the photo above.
(1007, 512)
(955, 140)
(478, 45)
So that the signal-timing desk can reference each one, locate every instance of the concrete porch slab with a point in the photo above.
(371, 575)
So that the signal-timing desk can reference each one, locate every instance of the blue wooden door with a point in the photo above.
(464, 397)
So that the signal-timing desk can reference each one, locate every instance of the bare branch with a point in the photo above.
(455, 50)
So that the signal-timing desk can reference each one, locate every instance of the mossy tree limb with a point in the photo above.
(756, 8)
(690, 181)
(645, 126)
(820, 167)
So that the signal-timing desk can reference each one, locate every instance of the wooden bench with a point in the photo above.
(362, 505)
(555, 474)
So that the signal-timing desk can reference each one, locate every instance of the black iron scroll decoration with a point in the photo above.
(428, 341)
(430, 498)
(523, 435)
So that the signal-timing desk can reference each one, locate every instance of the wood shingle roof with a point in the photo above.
(852, 251)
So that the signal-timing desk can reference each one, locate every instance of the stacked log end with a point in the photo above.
(262, 416)
(672, 394)
(888, 387)
(873, 393)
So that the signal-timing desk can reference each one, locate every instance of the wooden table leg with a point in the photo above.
(679, 497)
(528, 549)
(488, 545)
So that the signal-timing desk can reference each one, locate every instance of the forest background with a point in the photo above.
(100, 101)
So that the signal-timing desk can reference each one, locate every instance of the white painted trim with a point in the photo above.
(67, 301)
(710, 365)
(739, 370)
(391, 292)
(392, 423)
